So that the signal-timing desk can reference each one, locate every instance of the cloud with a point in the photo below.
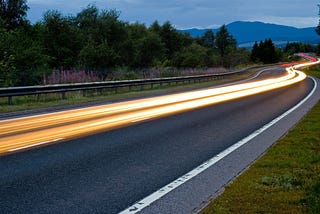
(299, 22)
(189, 13)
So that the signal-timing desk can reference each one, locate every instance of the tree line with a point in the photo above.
(97, 40)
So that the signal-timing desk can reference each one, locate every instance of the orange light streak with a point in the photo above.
(29, 132)
(9, 126)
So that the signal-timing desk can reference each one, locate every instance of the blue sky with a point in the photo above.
(192, 13)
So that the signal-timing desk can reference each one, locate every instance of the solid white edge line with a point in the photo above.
(258, 74)
(140, 205)
(245, 80)
(36, 144)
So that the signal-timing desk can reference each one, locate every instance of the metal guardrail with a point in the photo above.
(84, 87)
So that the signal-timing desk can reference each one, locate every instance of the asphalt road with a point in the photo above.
(107, 172)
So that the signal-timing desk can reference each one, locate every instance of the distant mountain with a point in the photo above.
(246, 33)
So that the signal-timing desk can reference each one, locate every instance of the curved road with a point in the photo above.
(110, 171)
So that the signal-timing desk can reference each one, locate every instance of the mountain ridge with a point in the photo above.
(246, 33)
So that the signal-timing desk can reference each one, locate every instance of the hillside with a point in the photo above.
(246, 33)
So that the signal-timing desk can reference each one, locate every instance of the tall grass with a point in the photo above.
(71, 76)
(124, 73)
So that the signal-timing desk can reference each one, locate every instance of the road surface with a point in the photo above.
(109, 171)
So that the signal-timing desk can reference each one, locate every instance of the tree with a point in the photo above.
(101, 29)
(13, 13)
(61, 40)
(7, 70)
(264, 52)
(22, 57)
(270, 54)
(97, 40)
(193, 56)
(100, 25)
(170, 38)
(97, 56)
(296, 47)
(255, 52)
(155, 27)
(149, 48)
(238, 57)
(225, 42)
(318, 27)
(208, 40)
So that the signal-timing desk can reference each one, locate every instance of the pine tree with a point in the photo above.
(265, 52)
(254, 53)
(207, 40)
(318, 27)
(224, 41)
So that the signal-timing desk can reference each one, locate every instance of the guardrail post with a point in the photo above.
(63, 95)
(9, 100)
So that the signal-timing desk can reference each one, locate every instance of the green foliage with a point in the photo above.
(296, 47)
(149, 48)
(21, 53)
(97, 56)
(240, 56)
(318, 27)
(255, 52)
(224, 41)
(100, 25)
(13, 13)
(265, 52)
(7, 70)
(313, 198)
(208, 39)
(104, 38)
(96, 40)
(285, 181)
(61, 40)
(191, 57)
(169, 37)
(155, 27)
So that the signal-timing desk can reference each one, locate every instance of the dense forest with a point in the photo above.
(95, 44)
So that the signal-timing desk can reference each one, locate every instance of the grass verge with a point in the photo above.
(71, 98)
(285, 180)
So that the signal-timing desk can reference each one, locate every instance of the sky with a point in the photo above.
(185, 14)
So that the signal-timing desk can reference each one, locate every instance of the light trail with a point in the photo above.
(61, 117)
(29, 132)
